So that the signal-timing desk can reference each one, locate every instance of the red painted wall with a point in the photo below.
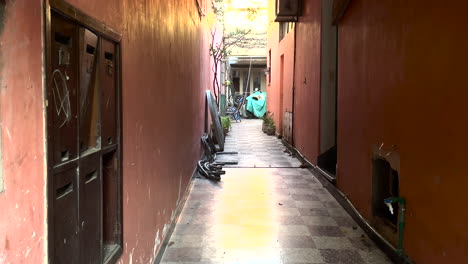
(285, 48)
(278, 48)
(22, 211)
(307, 81)
(402, 82)
(164, 73)
(304, 76)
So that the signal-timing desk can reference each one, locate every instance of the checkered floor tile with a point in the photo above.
(256, 149)
(272, 215)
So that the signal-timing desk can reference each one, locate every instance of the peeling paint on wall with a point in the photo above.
(2, 17)
(165, 229)
(130, 261)
(159, 151)
(22, 177)
(180, 190)
(157, 242)
(173, 215)
(2, 188)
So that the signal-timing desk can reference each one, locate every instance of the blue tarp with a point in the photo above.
(256, 104)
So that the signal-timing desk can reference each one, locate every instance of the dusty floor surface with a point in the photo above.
(266, 210)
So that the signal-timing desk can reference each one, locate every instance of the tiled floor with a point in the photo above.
(266, 215)
(255, 148)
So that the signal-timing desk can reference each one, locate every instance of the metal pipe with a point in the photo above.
(401, 225)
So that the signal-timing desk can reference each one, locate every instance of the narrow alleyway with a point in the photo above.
(266, 210)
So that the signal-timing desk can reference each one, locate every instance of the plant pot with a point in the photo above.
(264, 128)
(269, 130)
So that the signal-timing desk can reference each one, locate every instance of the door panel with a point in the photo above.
(327, 159)
(66, 216)
(328, 90)
(108, 101)
(82, 111)
(90, 208)
(287, 127)
(89, 97)
(62, 91)
(110, 189)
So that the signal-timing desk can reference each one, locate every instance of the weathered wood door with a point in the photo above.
(83, 143)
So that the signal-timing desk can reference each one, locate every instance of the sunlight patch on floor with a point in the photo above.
(245, 213)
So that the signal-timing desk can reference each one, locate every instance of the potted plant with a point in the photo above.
(226, 124)
(268, 126)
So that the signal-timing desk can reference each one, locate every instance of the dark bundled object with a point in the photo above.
(208, 167)
(216, 120)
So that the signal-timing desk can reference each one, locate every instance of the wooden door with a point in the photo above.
(83, 139)
(62, 124)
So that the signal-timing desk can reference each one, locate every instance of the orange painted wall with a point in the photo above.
(22, 211)
(402, 82)
(278, 48)
(307, 81)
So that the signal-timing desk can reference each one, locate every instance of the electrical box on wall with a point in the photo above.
(288, 10)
